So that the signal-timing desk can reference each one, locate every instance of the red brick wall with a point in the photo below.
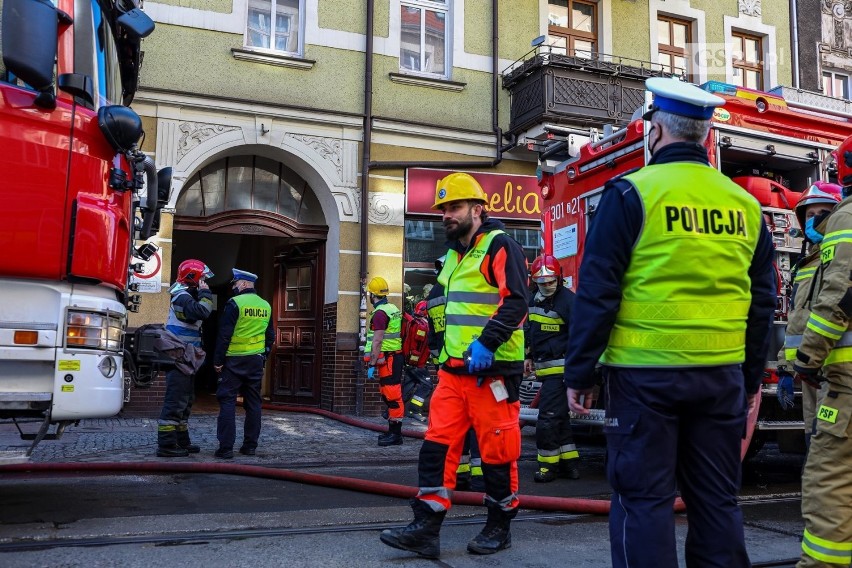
(146, 402)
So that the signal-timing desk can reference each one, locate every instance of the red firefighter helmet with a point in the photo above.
(420, 309)
(819, 192)
(190, 272)
(545, 267)
(843, 156)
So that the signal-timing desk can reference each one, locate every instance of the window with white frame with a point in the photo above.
(275, 25)
(424, 37)
(835, 85)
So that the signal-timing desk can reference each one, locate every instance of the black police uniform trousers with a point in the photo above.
(668, 429)
(240, 375)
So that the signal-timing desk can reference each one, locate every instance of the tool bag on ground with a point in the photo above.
(415, 344)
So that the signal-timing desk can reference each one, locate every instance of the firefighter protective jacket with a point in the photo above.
(493, 268)
(805, 283)
(188, 308)
(546, 332)
(827, 339)
(614, 232)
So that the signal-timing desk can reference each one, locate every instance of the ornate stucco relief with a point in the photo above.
(329, 149)
(387, 209)
(193, 134)
(749, 7)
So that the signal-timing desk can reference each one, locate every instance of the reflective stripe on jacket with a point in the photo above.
(249, 337)
(392, 340)
(701, 229)
(183, 308)
(471, 301)
(546, 331)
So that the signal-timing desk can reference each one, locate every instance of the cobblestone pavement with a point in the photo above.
(286, 438)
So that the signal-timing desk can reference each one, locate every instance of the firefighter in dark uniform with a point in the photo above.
(676, 297)
(546, 335)
(383, 356)
(246, 336)
(485, 278)
(825, 356)
(191, 304)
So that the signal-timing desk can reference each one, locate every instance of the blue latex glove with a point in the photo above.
(370, 372)
(480, 357)
(784, 392)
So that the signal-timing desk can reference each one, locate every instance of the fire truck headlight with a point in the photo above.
(93, 330)
(108, 366)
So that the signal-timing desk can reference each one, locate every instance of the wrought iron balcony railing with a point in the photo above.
(588, 89)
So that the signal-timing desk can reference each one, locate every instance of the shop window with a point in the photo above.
(747, 60)
(421, 253)
(424, 38)
(276, 25)
(249, 182)
(673, 39)
(835, 85)
(572, 27)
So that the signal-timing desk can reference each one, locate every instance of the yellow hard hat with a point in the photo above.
(378, 286)
(456, 187)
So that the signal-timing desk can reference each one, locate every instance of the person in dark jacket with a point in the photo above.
(482, 360)
(191, 304)
(246, 336)
(676, 297)
(546, 335)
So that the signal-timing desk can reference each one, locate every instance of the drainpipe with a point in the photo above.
(794, 31)
(499, 149)
(365, 181)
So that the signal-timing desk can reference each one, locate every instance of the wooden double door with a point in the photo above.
(297, 308)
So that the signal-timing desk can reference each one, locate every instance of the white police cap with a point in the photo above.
(243, 275)
(684, 99)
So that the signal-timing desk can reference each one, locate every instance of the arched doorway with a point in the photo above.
(257, 214)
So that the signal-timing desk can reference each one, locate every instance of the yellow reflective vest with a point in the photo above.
(392, 340)
(471, 301)
(686, 292)
(249, 337)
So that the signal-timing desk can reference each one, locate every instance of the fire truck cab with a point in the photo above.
(772, 146)
(71, 177)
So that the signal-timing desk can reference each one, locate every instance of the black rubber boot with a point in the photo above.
(422, 535)
(171, 452)
(569, 468)
(477, 483)
(463, 481)
(183, 441)
(394, 435)
(495, 536)
(167, 446)
(545, 475)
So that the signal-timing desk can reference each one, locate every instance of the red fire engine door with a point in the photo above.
(298, 318)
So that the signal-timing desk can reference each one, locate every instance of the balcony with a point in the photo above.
(589, 91)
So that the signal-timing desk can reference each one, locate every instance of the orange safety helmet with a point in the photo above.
(546, 267)
(190, 272)
(819, 192)
(843, 156)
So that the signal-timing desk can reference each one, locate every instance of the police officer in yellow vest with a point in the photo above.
(246, 335)
(383, 356)
(676, 297)
(827, 345)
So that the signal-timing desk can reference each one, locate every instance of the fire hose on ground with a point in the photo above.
(576, 505)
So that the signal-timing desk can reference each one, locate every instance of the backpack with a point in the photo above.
(415, 344)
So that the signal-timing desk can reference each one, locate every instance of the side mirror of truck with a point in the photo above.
(120, 126)
(137, 23)
(29, 34)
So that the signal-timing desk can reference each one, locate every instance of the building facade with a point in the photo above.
(306, 136)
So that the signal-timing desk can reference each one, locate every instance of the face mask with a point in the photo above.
(547, 290)
(813, 235)
(652, 147)
(235, 290)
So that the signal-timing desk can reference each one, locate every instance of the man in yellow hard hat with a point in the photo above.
(383, 356)
(481, 363)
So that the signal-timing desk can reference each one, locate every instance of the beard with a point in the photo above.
(457, 229)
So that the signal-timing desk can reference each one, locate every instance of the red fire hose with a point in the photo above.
(563, 504)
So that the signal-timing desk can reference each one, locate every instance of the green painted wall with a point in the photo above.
(630, 30)
(334, 83)
(344, 15)
(224, 6)
(777, 13)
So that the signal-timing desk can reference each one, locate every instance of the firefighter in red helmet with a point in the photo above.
(823, 357)
(546, 339)
(191, 304)
(814, 206)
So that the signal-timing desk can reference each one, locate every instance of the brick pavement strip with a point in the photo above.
(286, 437)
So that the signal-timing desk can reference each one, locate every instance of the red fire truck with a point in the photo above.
(773, 147)
(71, 178)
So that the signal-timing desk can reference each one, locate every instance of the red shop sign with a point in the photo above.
(509, 196)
